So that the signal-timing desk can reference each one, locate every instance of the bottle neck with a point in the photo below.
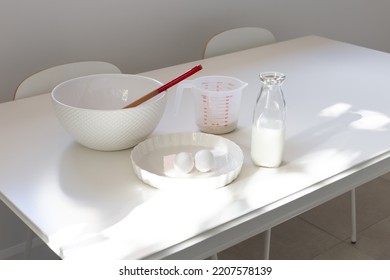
(272, 78)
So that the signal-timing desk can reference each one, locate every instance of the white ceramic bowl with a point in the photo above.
(153, 158)
(89, 108)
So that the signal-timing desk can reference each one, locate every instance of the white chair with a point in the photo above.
(245, 38)
(237, 39)
(45, 80)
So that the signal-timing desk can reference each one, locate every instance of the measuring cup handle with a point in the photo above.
(179, 92)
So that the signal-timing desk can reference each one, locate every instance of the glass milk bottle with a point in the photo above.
(268, 128)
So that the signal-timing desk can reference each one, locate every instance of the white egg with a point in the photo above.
(184, 162)
(204, 160)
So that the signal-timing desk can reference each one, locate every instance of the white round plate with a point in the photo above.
(153, 159)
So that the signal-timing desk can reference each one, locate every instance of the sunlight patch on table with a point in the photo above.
(371, 120)
(335, 110)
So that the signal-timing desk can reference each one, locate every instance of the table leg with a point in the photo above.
(267, 244)
(353, 216)
(28, 245)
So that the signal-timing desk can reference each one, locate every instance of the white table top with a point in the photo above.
(89, 204)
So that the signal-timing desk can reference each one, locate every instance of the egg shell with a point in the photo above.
(204, 160)
(184, 162)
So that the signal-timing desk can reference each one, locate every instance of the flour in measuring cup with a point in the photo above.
(217, 129)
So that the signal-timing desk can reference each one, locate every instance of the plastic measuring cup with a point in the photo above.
(217, 102)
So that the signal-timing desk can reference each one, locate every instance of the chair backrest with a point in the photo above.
(237, 39)
(45, 80)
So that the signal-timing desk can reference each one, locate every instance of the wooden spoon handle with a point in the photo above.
(142, 99)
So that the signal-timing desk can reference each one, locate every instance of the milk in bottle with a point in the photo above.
(268, 129)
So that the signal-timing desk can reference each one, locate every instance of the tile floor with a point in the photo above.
(321, 233)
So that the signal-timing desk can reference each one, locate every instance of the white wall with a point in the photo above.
(140, 35)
